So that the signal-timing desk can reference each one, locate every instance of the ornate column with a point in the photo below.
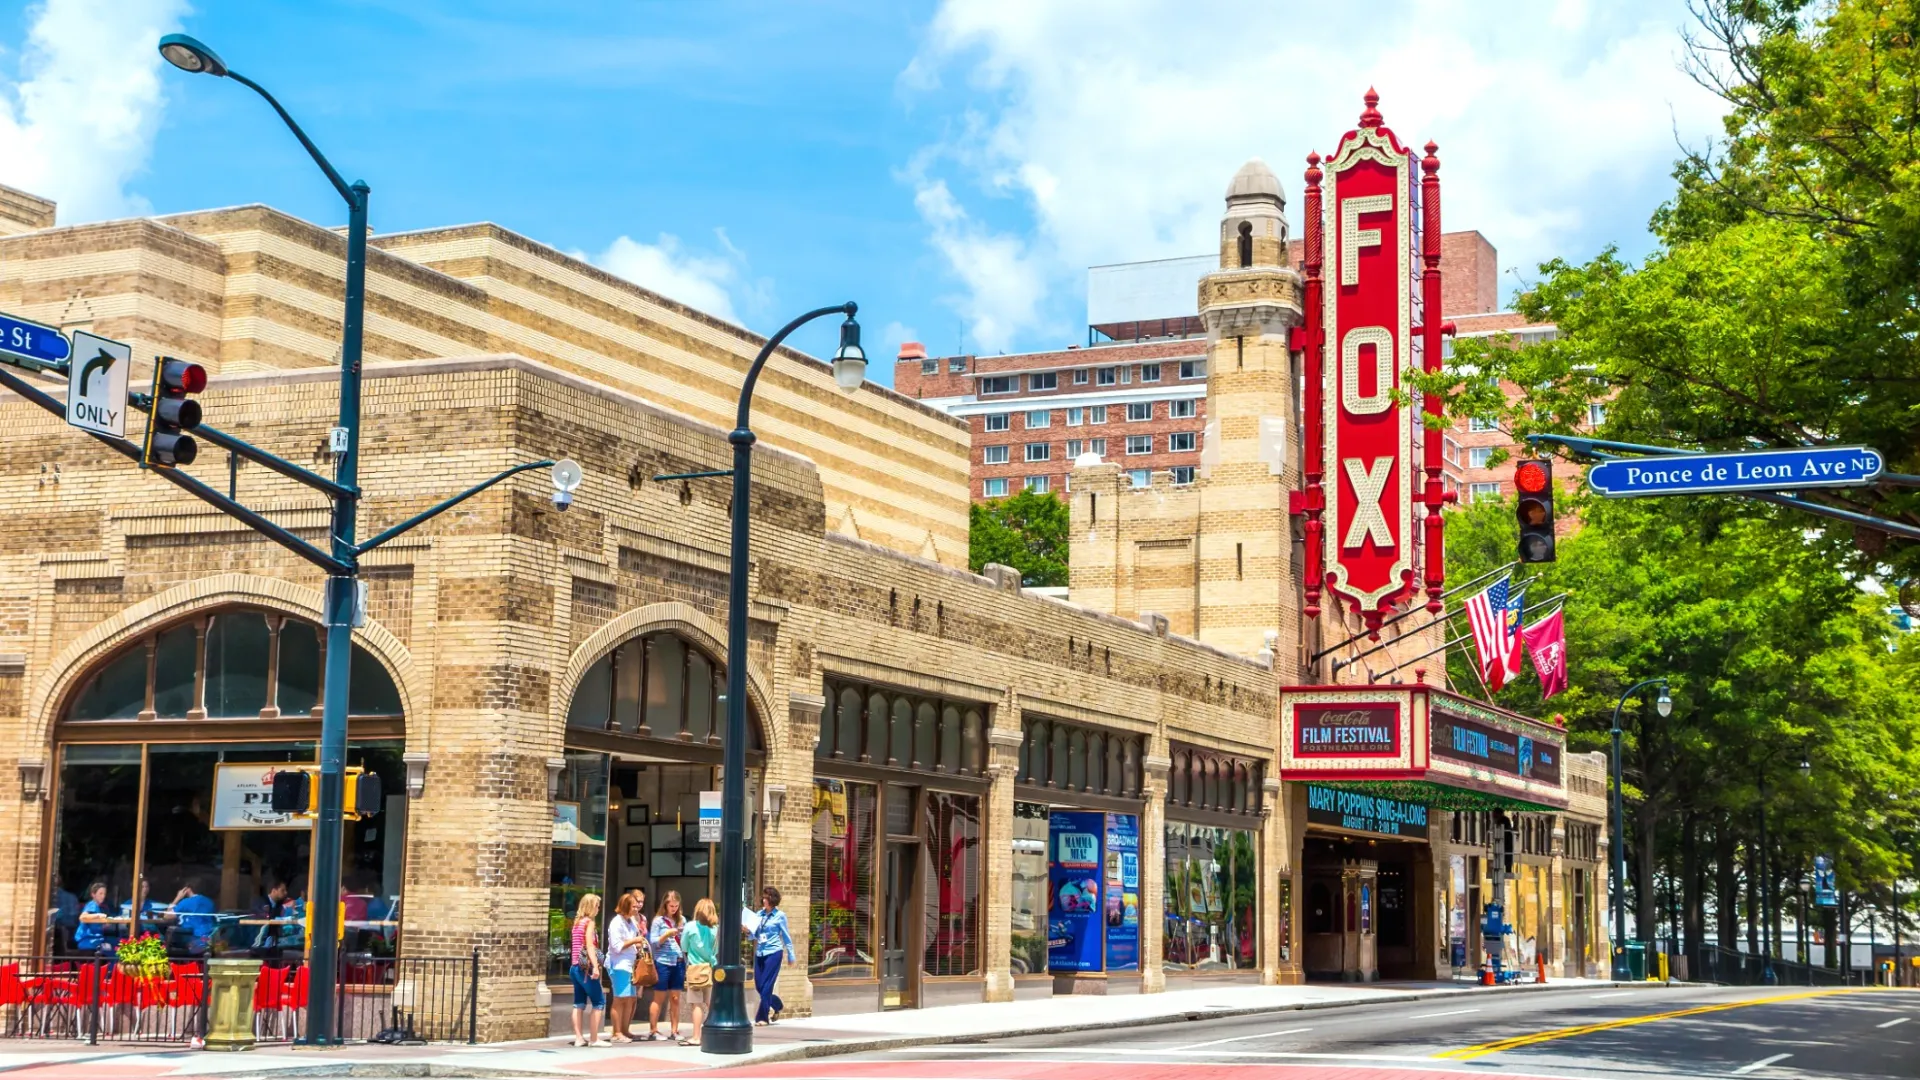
(1153, 872)
(1276, 864)
(788, 839)
(996, 871)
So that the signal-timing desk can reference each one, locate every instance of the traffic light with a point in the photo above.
(295, 791)
(173, 413)
(1534, 479)
(363, 793)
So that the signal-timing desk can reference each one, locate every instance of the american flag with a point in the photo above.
(1495, 615)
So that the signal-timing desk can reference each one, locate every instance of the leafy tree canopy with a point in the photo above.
(1027, 531)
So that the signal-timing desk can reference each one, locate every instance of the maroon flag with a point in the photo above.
(1547, 643)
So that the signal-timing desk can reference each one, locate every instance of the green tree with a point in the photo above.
(1027, 532)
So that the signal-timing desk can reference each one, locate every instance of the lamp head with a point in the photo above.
(849, 361)
(189, 54)
(1806, 768)
(1664, 703)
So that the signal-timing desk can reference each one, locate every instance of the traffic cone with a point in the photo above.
(1543, 968)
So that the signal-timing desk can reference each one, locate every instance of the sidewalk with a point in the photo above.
(789, 1040)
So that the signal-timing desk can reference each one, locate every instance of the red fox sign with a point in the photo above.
(1374, 230)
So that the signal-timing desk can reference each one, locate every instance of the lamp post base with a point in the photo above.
(728, 1030)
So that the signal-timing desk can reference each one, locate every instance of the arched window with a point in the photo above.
(239, 663)
(949, 740)
(662, 686)
(847, 745)
(926, 735)
(1246, 244)
(972, 750)
(876, 740)
(1097, 763)
(900, 736)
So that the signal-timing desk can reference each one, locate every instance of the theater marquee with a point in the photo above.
(1422, 744)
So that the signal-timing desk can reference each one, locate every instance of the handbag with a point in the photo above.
(699, 976)
(644, 973)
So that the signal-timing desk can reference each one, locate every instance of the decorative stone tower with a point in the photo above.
(1250, 459)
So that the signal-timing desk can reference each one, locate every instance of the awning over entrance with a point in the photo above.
(1423, 745)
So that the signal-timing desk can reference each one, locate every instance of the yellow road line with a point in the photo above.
(1515, 1042)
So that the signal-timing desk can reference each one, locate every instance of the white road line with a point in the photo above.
(1761, 1064)
(1242, 1038)
(1891, 1023)
(1450, 1012)
(1095, 1053)
(1612, 993)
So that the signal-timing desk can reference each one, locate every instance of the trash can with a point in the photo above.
(1636, 952)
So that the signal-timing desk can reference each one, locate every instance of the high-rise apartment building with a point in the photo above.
(1135, 393)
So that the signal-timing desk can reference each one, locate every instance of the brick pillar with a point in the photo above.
(1153, 873)
(788, 842)
(1275, 862)
(996, 888)
(1293, 830)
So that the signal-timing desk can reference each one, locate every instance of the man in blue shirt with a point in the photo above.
(63, 918)
(194, 913)
(96, 932)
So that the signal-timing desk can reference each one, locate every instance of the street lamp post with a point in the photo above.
(343, 567)
(727, 1030)
(1806, 936)
(1621, 971)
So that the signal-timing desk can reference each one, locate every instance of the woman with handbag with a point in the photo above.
(585, 973)
(670, 962)
(701, 942)
(771, 942)
(625, 939)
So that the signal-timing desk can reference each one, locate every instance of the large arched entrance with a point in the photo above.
(642, 742)
(164, 759)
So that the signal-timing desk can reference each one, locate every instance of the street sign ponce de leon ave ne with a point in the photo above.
(1757, 470)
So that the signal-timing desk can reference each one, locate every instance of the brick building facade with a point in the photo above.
(538, 688)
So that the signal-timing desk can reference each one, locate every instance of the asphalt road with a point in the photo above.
(1580, 1034)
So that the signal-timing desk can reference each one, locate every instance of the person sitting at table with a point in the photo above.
(267, 908)
(193, 912)
(141, 913)
(97, 932)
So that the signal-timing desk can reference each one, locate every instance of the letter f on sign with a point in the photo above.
(1353, 237)
(1369, 521)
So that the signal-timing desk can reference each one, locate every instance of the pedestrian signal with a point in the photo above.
(1534, 509)
(173, 413)
(363, 793)
(295, 792)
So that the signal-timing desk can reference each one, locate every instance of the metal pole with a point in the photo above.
(1621, 972)
(1767, 974)
(728, 1030)
(323, 893)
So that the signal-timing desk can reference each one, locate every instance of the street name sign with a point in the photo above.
(97, 384)
(31, 341)
(1757, 470)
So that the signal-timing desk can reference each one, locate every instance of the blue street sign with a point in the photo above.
(31, 341)
(1757, 470)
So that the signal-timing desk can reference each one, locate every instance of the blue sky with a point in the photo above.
(954, 166)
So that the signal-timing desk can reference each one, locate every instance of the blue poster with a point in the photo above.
(1074, 925)
(1122, 906)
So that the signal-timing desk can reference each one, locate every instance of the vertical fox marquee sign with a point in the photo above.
(1373, 231)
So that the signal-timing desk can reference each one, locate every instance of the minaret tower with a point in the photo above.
(1251, 454)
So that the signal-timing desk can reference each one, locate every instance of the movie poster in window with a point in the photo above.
(1121, 904)
(1075, 926)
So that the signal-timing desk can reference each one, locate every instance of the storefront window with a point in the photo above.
(238, 647)
(1029, 888)
(657, 686)
(840, 901)
(94, 830)
(579, 864)
(879, 726)
(1210, 909)
(951, 851)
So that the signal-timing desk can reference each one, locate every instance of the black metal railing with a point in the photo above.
(1731, 967)
(379, 999)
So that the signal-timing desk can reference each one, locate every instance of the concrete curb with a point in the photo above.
(903, 1042)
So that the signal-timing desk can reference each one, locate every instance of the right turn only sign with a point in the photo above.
(97, 384)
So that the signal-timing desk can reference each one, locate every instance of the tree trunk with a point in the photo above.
(1753, 901)
(1726, 893)
(1691, 879)
(1646, 895)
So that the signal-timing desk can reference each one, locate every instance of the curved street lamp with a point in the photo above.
(728, 1030)
(1664, 705)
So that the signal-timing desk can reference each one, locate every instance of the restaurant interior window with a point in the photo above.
(951, 852)
(238, 647)
(840, 900)
(1210, 898)
(579, 863)
(1030, 884)
(93, 832)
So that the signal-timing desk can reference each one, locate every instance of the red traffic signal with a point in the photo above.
(173, 414)
(1534, 509)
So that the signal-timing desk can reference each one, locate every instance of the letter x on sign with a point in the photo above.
(1369, 521)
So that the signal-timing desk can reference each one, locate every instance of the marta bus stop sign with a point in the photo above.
(1757, 470)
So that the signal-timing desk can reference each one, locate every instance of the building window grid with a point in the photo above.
(1039, 418)
(998, 421)
(1486, 490)
(1106, 376)
(994, 488)
(1180, 442)
(1182, 475)
(1080, 377)
(957, 365)
(1193, 369)
(1096, 414)
(1479, 457)
(1139, 444)
(929, 367)
(1138, 411)
(998, 384)
(994, 455)
(1043, 380)
(1139, 478)
(1076, 416)
(1183, 409)
(1039, 485)
(1039, 451)
(1149, 373)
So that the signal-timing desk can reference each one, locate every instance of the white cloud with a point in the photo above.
(892, 336)
(78, 120)
(1106, 130)
(706, 281)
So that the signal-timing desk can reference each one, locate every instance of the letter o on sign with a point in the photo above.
(1382, 397)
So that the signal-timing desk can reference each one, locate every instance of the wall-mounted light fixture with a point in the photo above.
(416, 762)
(776, 802)
(33, 774)
(555, 766)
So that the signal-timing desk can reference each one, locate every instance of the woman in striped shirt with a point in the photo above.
(585, 973)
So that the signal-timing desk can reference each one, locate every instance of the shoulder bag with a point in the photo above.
(644, 973)
(700, 976)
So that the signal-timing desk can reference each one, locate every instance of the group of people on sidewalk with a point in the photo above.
(673, 956)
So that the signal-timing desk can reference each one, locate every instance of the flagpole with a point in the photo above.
(1449, 645)
(1446, 617)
